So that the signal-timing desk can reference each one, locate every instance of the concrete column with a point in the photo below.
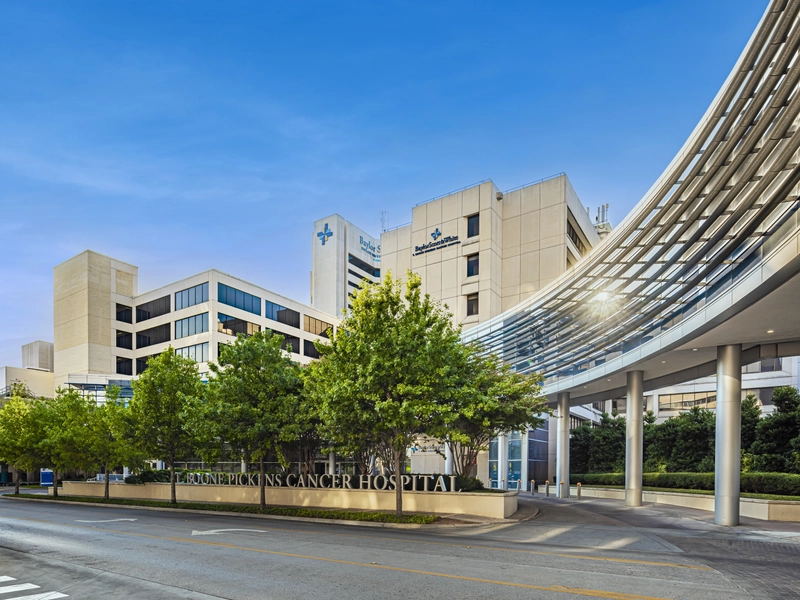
(502, 461)
(448, 460)
(727, 464)
(634, 439)
(524, 468)
(562, 446)
(332, 463)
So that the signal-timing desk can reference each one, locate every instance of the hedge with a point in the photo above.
(786, 484)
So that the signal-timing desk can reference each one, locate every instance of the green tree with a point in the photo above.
(390, 371)
(108, 445)
(607, 452)
(580, 444)
(64, 445)
(693, 444)
(301, 437)
(19, 437)
(165, 397)
(490, 400)
(252, 395)
(772, 449)
(751, 415)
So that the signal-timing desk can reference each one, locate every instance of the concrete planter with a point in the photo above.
(767, 510)
(495, 506)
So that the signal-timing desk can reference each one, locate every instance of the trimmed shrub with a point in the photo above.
(785, 484)
(468, 484)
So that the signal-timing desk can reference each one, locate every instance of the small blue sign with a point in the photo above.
(46, 477)
(324, 234)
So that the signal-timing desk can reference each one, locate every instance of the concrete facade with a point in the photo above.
(523, 244)
(90, 343)
(342, 256)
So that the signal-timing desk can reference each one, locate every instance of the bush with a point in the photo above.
(468, 484)
(785, 484)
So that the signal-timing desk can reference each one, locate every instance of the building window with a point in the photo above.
(765, 365)
(309, 349)
(687, 401)
(575, 422)
(472, 265)
(364, 266)
(152, 309)
(124, 366)
(573, 235)
(239, 299)
(191, 296)
(198, 353)
(290, 343)
(473, 225)
(124, 313)
(315, 326)
(353, 284)
(191, 326)
(472, 304)
(125, 340)
(281, 314)
(152, 336)
(358, 275)
(233, 326)
(141, 363)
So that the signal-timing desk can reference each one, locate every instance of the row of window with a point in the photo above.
(281, 314)
(153, 336)
(191, 296)
(573, 235)
(238, 299)
(191, 326)
(151, 310)
(234, 326)
(364, 266)
(316, 326)
(198, 352)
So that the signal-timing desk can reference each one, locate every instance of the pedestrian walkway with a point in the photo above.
(25, 587)
(760, 556)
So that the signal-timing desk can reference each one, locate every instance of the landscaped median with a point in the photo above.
(308, 513)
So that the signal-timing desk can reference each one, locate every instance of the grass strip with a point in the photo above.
(343, 515)
(702, 492)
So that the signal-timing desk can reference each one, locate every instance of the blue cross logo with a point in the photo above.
(436, 234)
(324, 234)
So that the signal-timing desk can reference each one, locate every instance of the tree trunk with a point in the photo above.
(262, 483)
(173, 496)
(16, 483)
(108, 478)
(398, 477)
(55, 483)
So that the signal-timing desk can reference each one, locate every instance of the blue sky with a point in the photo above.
(185, 135)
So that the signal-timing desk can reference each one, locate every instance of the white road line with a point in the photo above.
(221, 531)
(7, 589)
(104, 520)
(45, 596)
(5, 578)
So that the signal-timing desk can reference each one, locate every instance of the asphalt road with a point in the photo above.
(101, 552)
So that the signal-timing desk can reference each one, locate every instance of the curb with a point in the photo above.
(270, 517)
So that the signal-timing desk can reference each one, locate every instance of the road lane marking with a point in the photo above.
(5, 578)
(222, 531)
(545, 588)
(45, 596)
(20, 587)
(449, 544)
(104, 520)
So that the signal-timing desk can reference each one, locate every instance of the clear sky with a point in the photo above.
(185, 135)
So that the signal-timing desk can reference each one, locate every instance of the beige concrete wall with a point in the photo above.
(40, 383)
(754, 508)
(496, 506)
(85, 289)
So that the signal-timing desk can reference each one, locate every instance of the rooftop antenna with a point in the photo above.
(384, 220)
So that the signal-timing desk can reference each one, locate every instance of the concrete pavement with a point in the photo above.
(235, 557)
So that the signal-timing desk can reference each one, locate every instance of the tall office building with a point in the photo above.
(343, 255)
